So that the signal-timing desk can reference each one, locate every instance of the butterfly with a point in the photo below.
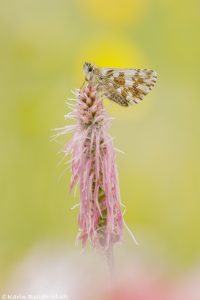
(123, 86)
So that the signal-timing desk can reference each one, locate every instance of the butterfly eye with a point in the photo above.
(90, 69)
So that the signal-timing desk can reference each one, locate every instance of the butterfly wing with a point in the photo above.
(127, 86)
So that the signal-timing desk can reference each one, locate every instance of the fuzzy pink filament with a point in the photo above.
(94, 167)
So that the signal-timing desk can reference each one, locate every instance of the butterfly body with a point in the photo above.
(123, 86)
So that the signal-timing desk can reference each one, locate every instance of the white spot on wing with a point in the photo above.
(129, 98)
(119, 90)
(128, 83)
(116, 74)
(104, 71)
(143, 88)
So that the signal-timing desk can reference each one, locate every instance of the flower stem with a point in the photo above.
(110, 260)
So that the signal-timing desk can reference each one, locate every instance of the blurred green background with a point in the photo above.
(43, 47)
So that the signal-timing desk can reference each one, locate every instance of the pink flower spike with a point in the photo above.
(94, 167)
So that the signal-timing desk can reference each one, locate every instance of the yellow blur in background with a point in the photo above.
(43, 47)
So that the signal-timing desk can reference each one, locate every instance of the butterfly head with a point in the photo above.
(89, 71)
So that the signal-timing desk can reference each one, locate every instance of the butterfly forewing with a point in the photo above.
(126, 86)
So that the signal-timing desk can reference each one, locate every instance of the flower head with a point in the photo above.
(93, 166)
